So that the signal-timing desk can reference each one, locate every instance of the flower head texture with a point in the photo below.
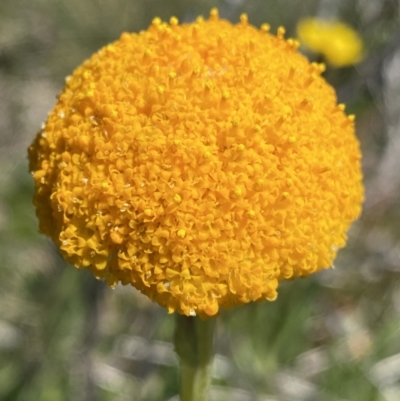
(201, 163)
(339, 43)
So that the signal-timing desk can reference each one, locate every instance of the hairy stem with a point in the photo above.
(194, 346)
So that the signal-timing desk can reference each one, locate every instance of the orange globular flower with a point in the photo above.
(201, 163)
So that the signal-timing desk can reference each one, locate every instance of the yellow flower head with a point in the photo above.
(338, 42)
(201, 163)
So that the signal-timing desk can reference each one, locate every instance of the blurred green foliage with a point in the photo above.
(65, 336)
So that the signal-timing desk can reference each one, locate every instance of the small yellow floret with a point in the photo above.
(260, 182)
(177, 198)
(238, 192)
(174, 21)
(265, 27)
(244, 19)
(281, 32)
(214, 14)
(339, 43)
(225, 95)
(181, 233)
(251, 213)
(198, 162)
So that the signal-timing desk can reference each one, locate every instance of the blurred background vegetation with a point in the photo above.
(64, 336)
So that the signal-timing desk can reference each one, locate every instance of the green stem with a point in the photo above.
(194, 346)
